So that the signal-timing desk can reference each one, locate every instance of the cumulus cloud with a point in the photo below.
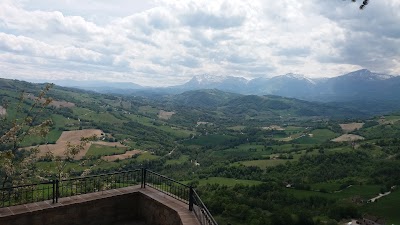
(163, 42)
(28, 46)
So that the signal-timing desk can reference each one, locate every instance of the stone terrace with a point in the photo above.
(124, 206)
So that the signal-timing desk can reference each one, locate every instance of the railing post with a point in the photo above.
(141, 178)
(191, 198)
(57, 190)
(143, 183)
(144, 177)
(54, 190)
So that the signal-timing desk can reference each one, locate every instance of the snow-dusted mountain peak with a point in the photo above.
(368, 75)
(207, 78)
(295, 76)
(213, 79)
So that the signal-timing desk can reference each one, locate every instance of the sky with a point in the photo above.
(166, 42)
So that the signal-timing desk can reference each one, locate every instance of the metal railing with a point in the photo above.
(97, 183)
(56, 189)
(29, 193)
(181, 192)
(167, 186)
(200, 210)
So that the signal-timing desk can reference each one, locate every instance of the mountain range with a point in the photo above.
(358, 87)
(348, 87)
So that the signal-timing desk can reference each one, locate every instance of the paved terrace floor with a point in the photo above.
(187, 217)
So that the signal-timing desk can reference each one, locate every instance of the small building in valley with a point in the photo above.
(371, 220)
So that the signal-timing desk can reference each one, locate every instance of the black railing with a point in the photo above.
(167, 186)
(29, 193)
(97, 183)
(53, 190)
(181, 192)
(200, 210)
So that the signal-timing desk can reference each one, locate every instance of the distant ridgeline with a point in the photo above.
(362, 89)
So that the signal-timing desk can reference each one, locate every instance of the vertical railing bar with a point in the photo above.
(106, 178)
(57, 190)
(145, 178)
(191, 198)
(33, 194)
(124, 180)
(9, 203)
(26, 195)
(70, 187)
(54, 190)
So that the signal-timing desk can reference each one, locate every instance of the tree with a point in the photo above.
(16, 165)
(363, 5)
(61, 162)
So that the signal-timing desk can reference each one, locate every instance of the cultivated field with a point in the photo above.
(112, 144)
(264, 163)
(226, 181)
(182, 159)
(349, 127)
(54, 103)
(98, 149)
(3, 111)
(316, 136)
(237, 128)
(215, 139)
(348, 137)
(165, 115)
(203, 123)
(73, 137)
(126, 155)
(273, 127)
(389, 120)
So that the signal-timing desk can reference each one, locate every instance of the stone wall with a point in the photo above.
(105, 211)
(156, 213)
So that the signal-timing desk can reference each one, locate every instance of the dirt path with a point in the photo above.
(343, 189)
(379, 196)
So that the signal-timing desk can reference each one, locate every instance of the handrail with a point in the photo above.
(190, 196)
(26, 185)
(165, 177)
(53, 190)
(167, 186)
(100, 175)
(28, 193)
(204, 216)
(96, 183)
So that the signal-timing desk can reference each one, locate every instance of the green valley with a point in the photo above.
(255, 159)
